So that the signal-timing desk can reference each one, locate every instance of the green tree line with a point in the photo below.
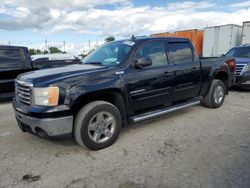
(51, 50)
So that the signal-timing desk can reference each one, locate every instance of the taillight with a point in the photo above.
(231, 64)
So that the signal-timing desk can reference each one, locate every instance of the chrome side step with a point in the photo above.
(156, 113)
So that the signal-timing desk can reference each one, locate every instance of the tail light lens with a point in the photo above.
(231, 64)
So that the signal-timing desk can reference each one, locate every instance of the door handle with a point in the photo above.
(195, 68)
(168, 74)
(178, 72)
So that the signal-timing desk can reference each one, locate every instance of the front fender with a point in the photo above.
(92, 86)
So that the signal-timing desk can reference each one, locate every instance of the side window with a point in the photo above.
(9, 56)
(180, 53)
(23, 55)
(155, 51)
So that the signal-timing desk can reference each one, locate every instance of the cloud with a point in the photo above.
(46, 14)
(241, 4)
(123, 19)
(120, 18)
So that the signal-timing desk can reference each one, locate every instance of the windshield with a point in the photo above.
(110, 54)
(239, 52)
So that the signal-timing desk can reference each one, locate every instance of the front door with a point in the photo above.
(153, 85)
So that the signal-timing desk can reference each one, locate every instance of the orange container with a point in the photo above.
(195, 35)
(167, 34)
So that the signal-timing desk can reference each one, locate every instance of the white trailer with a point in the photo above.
(246, 33)
(219, 39)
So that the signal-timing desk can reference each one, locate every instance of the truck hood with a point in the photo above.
(53, 74)
(242, 60)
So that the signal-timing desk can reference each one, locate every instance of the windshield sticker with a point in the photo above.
(130, 43)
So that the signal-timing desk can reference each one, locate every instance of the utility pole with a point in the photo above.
(64, 46)
(89, 45)
(46, 44)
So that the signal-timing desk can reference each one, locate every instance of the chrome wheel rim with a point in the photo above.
(101, 127)
(218, 94)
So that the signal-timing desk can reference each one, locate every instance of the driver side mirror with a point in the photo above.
(142, 62)
(222, 55)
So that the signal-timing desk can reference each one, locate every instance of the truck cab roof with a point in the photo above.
(12, 47)
(144, 39)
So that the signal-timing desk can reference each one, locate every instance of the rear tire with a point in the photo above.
(216, 94)
(97, 125)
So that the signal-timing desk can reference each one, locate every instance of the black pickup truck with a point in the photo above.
(15, 60)
(120, 82)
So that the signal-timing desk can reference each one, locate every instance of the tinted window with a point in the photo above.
(9, 56)
(155, 51)
(180, 53)
(239, 52)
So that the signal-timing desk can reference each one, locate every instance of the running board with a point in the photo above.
(156, 113)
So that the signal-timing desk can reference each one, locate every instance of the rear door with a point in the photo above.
(187, 70)
(12, 63)
(153, 85)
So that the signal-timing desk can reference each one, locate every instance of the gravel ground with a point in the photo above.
(195, 147)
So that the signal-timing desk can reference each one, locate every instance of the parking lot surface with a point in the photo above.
(194, 147)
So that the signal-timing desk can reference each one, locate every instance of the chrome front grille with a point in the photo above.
(239, 69)
(23, 92)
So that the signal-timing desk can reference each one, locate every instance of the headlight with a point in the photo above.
(45, 96)
(247, 69)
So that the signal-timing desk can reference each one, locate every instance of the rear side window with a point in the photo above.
(10, 56)
(180, 53)
(155, 51)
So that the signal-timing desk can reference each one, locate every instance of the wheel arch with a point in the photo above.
(220, 75)
(113, 96)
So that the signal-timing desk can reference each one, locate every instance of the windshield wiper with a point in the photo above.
(93, 63)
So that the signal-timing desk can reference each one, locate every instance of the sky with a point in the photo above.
(29, 23)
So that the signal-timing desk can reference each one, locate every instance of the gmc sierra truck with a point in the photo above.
(15, 60)
(120, 82)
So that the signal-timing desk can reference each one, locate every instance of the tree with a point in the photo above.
(109, 39)
(53, 50)
(38, 51)
(32, 51)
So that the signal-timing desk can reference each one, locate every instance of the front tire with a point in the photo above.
(97, 125)
(216, 95)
